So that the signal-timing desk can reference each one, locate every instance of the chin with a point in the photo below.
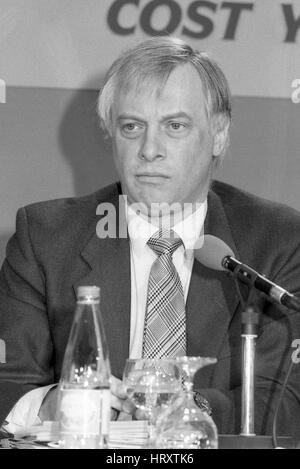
(155, 197)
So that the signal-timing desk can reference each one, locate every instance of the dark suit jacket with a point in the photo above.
(55, 249)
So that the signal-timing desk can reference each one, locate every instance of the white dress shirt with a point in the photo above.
(190, 230)
(142, 258)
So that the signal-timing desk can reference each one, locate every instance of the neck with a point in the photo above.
(171, 215)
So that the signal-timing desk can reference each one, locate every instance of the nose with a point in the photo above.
(152, 146)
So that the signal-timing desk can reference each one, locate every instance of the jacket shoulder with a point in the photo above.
(263, 231)
(252, 208)
(62, 223)
(65, 209)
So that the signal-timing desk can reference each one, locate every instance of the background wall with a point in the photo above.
(53, 56)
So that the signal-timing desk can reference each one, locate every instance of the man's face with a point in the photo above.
(163, 142)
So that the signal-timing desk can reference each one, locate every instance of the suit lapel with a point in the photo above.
(212, 299)
(107, 264)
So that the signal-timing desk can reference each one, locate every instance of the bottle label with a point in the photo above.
(85, 411)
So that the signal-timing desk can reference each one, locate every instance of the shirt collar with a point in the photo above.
(190, 228)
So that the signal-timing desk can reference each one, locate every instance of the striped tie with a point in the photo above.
(164, 330)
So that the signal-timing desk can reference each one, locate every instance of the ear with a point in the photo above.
(220, 129)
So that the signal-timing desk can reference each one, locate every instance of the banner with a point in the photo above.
(70, 43)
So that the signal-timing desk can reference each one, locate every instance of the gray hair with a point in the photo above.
(154, 60)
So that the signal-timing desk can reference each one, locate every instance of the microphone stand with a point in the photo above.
(250, 321)
(242, 274)
(249, 334)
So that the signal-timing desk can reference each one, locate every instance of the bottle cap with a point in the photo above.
(91, 291)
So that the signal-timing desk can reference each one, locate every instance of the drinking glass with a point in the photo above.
(184, 424)
(152, 385)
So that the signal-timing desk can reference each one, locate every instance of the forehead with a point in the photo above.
(182, 90)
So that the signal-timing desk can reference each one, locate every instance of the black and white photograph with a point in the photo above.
(149, 227)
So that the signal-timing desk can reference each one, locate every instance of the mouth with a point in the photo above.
(151, 178)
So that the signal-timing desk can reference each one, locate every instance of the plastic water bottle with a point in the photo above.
(83, 408)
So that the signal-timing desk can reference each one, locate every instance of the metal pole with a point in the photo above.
(250, 321)
(247, 426)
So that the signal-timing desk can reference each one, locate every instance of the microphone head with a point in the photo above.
(213, 252)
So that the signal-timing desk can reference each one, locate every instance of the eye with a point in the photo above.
(177, 126)
(178, 129)
(131, 129)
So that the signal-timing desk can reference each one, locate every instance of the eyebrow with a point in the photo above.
(175, 115)
(126, 115)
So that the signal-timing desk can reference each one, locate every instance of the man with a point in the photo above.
(167, 110)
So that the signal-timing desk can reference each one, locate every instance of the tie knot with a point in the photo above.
(164, 242)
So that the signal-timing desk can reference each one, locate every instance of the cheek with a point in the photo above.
(201, 154)
(124, 157)
(188, 160)
(195, 167)
(126, 150)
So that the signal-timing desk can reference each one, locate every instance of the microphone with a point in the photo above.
(217, 255)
